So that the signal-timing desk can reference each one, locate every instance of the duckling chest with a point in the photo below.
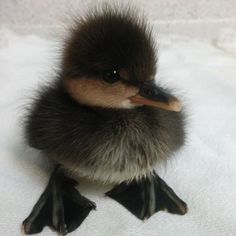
(126, 142)
(121, 149)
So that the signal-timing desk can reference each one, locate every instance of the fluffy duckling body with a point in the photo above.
(104, 118)
(107, 145)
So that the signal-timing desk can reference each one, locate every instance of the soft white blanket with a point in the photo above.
(203, 173)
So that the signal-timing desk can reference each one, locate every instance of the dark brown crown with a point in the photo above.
(109, 39)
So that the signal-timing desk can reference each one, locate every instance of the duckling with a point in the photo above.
(103, 118)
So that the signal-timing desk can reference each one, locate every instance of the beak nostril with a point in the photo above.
(150, 92)
(155, 92)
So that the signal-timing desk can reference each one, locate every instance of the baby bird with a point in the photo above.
(103, 118)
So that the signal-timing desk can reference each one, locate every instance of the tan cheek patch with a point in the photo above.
(95, 92)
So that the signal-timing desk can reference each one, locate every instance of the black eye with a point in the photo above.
(111, 76)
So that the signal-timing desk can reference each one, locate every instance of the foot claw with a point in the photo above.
(63, 229)
(92, 205)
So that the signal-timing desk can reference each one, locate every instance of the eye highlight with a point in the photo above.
(111, 77)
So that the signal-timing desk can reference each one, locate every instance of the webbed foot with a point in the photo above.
(60, 207)
(147, 196)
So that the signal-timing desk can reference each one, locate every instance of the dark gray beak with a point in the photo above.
(152, 95)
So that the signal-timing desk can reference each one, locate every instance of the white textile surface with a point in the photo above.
(203, 173)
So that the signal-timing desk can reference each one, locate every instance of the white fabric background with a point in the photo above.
(203, 173)
(202, 19)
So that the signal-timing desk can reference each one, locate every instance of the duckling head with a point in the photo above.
(110, 61)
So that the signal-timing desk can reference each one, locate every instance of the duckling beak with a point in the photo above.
(152, 95)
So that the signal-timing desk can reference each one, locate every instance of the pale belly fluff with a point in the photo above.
(117, 161)
(108, 177)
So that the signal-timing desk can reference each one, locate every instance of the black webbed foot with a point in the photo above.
(60, 207)
(149, 195)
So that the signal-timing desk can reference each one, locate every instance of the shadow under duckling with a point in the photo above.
(105, 119)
